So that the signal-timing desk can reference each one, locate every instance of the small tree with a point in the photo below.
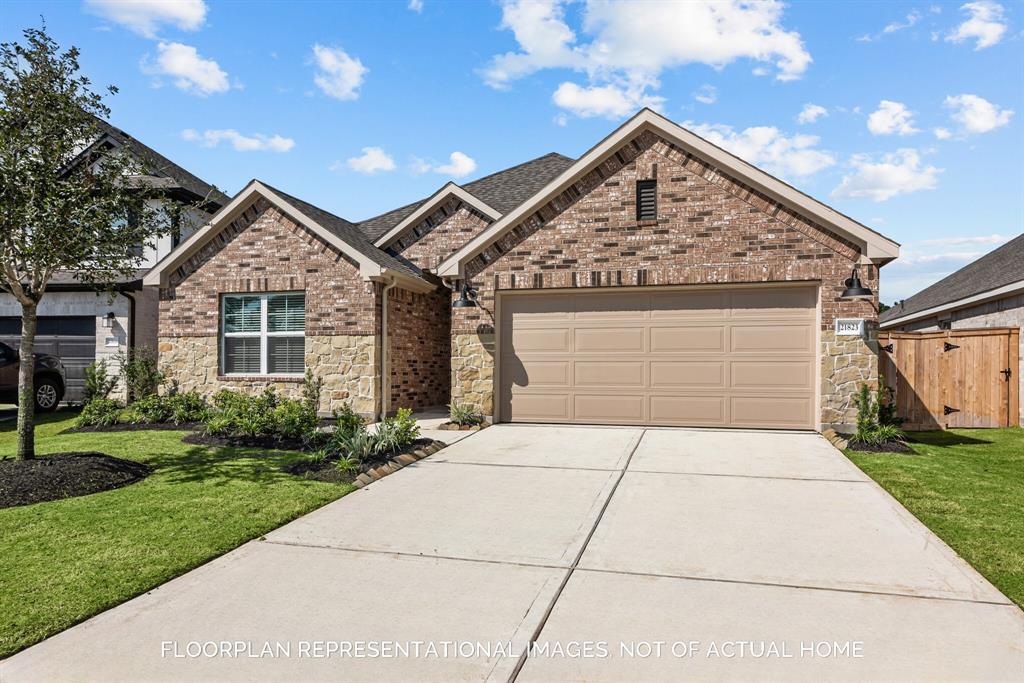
(65, 203)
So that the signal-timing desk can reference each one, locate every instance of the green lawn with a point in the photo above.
(966, 485)
(65, 560)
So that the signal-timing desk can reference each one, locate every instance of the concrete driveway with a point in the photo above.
(621, 554)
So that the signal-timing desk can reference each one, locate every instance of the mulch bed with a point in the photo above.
(327, 470)
(885, 447)
(272, 442)
(129, 427)
(65, 475)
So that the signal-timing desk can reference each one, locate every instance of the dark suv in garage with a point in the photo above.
(49, 379)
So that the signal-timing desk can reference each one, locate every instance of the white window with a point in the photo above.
(263, 334)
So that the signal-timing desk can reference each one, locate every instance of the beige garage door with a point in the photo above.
(741, 357)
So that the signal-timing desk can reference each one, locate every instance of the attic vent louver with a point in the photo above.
(646, 200)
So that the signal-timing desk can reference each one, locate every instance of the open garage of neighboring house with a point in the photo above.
(724, 357)
(70, 338)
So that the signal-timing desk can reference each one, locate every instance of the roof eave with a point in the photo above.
(964, 302)
(875, 247)
(449, 189)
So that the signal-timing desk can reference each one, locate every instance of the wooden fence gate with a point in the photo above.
(952, 378)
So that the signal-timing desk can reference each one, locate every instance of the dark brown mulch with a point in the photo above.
(272, 442)
(884, 447)
(128, 427)
(327, 470)
(65, 475)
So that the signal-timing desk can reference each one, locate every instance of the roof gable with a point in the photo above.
(448, 191)
(873, 245)
(334, 230)
(996, 270)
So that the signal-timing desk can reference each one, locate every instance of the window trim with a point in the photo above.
(653, 184)
(263, 335)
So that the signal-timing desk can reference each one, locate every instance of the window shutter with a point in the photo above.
(646, 200)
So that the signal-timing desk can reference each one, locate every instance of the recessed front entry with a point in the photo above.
(728, 357)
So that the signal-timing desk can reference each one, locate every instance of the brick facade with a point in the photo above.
(440, 234)
(419, 346)
(710, 229)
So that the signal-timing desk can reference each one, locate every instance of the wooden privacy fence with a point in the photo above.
(952, 378)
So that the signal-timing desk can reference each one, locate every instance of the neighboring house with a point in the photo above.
(81, 325)
(986, 293)
(656, 280)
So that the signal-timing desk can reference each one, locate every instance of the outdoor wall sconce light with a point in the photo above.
(467, 298)
(854, 289)
(108, 320)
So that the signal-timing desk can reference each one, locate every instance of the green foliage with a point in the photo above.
(347, 464)
(99, 412)
(346, 420)
(885, 399)
(358, 445)
(311, 388)
(152, 408)
(186, 408)
(395, 433)
(139, 370)
(464, 414)
(266, 414)
(870, 431)
(98, 382)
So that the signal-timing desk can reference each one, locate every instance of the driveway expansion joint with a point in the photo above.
(752, 476)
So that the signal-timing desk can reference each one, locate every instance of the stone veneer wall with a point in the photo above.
(846, 363)
(711, 229)
(419, 348)
(264, 250)
(346, 363)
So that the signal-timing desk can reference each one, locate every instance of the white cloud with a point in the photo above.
(610, 101)
(416, 5)
(976, 114)
(190, 71)
(942, 133)
(767, 147)
(146, 16)
(811, 113)
(706, 94)
(628, 46)
(985, 26)
(895, 26)
(896, 173)
(241, 143)
(373, 160)
(459, 165)
(338, 75)
(972, 239)
(891, 117)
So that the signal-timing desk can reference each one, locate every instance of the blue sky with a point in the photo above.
(906, 116)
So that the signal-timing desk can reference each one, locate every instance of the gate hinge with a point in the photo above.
(887, 347)
(946, 410)
(946, 346)
(1006, 373)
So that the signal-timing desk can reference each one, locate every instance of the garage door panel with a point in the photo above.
(608, 373)
(728, 357)
(695, 339)
(772, 338)
(541, 373)
(771, 411)
(681, 304)
(609, 340)
(553, 407)
(608, 408)
(688, 410)
(534, 340)
(760, 303)
(772, 374)
(684, 374)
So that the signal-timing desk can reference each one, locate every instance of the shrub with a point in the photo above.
(152, 408)
(99, 412)
(358, 445)
(293, 420)
(346, 420)
(885, 398)
(98, 382)
(140, 373)
(870, 431)
(395, 433)
(347, 464)
(267, 414)
(187, 407)
(464, 414)
(311, 387)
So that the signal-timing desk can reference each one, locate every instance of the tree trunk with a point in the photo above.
(26, 384)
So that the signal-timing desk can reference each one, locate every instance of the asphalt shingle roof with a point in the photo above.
(351, 235)
(159, 165)
(993, 270)
(503, 191)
